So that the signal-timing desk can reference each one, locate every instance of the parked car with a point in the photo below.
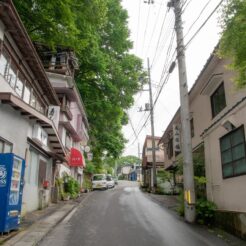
(110, 181)
(115, 180)
(99, 182)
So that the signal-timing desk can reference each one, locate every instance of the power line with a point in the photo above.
(183, 8)
(164, 82)
(166, 63)
(159, 38)
(132, 127)
(204, 23)
(139, 8)
(147, 22)
(198, 17)
(153, 30)
(164, 42)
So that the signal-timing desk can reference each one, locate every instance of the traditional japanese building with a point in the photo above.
(26, 100)
(60, 66)
(218, 124)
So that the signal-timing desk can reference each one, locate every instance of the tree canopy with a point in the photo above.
(109, 75)
(233, 41)
(130, 159)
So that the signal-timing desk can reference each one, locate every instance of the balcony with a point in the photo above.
(61, 61)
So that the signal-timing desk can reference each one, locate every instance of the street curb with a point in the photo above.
(74, 209)
(65, 218)
(21, 234)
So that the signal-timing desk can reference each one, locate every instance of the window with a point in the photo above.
(33, 100)
(12, 76)
(32, 172)
(218, 101)
(27, 94)
(19, 86)
(192, 130)
(68, 141)
(5, 146)
(233, 158)
(170, 148)
(156, 149)
(3, 63)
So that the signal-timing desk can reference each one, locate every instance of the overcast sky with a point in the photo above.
(152, 29)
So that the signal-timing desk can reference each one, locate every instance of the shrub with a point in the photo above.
(71, 186)
(87, 182)
(205, 212)
(180, 208)
(121, 177)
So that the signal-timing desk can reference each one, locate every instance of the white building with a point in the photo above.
(26, 96)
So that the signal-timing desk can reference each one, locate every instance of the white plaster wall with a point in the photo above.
(14, 128)
(75, 112)
(228, 194)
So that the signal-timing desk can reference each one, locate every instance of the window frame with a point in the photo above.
(170, 148)
(232, 163)
(192, 128)
(4, 142)
(214, 114)
(21, 72)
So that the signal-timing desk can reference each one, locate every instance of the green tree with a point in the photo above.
(130, 159)
(109, 75)
(233, 41)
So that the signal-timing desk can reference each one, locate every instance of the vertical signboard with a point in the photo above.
(176, 139)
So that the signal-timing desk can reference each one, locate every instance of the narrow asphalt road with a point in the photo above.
(124, 216)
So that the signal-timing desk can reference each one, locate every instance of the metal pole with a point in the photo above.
(115, 168)
(152, 132)
(139, 154)
(188, 172)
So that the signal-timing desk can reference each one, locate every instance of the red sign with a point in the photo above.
(46, 184)
(76, 158)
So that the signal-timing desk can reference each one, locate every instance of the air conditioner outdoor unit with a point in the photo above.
(40, 135)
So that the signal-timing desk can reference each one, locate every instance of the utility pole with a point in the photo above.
(115, 168)
(188, 171)
(152, 131)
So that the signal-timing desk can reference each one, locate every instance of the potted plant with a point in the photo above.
(65, 196)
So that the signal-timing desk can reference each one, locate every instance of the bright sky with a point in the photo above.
(152, 28)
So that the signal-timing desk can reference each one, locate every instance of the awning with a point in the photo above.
(76, 158)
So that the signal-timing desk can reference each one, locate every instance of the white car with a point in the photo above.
(99, 182)
(110, 181)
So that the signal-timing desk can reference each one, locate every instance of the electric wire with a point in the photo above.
(203, 24)
(183, 8)
(145, 31)
(139, 11)
(164, 42)
(168, 74)
(132, 127)
(166, 63)
(155, 101)
(198, 17)
(159, 38)
(161, 87)
(152, 34)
